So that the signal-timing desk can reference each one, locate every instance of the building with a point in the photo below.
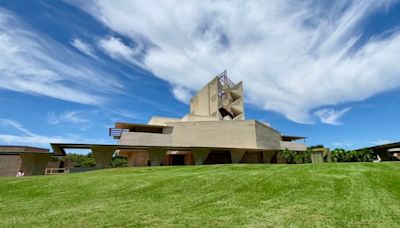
(215, 131)
(31, 160)
(385, 152)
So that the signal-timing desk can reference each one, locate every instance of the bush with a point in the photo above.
(341, 155)
(294, 157)
(119, 162)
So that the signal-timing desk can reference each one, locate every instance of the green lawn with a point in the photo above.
(325, 195)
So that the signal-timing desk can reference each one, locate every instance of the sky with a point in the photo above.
(326, 70)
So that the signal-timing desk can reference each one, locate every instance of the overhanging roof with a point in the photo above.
(16, 150)
(383, 147)
(122, 125)
(291, 137)
(59, 148)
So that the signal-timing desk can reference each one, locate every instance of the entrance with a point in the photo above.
(218, 157)
(178, 159)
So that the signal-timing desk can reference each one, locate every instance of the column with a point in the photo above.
(103, 156)
(34, 163)
(200, 155)
(237, 155)
(268, 155)
(156, 155)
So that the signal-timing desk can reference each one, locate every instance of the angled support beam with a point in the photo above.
(237, 155)
(156, 155)
(200, 155)
(103, 156)
(268, 155)
(34, 164)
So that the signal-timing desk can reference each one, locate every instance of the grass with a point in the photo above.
(325, 195)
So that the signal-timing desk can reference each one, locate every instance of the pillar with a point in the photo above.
(34, 163)
(237, 155)
(268, 155)
(200, 155)
(103, 156)
(156, 155)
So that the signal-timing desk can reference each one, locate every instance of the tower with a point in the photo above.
(220, 98)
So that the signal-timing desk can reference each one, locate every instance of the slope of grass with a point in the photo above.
(328, 195)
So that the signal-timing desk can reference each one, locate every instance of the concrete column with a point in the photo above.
(34, 164)
(156, 155)
(237, 155)
(103, 156)
(200, 155)
(268, 155)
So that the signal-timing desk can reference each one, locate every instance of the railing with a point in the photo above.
(223, 78)
(116, 132)
(51, 171)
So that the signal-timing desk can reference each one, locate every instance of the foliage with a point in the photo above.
(341, 155)
(87, 160)
(81, 160)
(119, 162)
(294, 157)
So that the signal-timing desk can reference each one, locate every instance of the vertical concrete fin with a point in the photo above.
(200, 155)
(156, 155)
(103, 156)
(34, 164)
(237, 155)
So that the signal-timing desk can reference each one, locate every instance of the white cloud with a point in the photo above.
(380, 141)
(181, 94)
(83, 47)
(331, 116)
(68, 117)
(116, 49)
(35, 64)
(29, 138)
(293, 56)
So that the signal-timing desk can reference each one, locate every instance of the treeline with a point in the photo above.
(87, 160)
(337, 155)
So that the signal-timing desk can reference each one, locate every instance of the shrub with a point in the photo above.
(294, 157)
(341, 155)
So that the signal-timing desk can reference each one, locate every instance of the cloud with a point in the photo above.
(35, 64)
(331, 116)
(83, 47)
(29, 138)
(181, 94)
(68, 117)
(293, 56)
(115, 48)
(380, 141)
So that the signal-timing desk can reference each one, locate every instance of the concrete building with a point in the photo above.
(31, 160)
(215, 131)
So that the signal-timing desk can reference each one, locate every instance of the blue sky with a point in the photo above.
(69, 69)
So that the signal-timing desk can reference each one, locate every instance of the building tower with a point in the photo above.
(220, 98)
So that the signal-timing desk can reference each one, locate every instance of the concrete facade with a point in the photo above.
(214, 130)
(32, 160)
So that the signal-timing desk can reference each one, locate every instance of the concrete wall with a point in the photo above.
(9, 165)
(267, 138)
(293, 146)
(229, 134)
(145, 139)
(190, 118)
(158, 120)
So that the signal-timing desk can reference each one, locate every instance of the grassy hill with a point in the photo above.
(339, 195)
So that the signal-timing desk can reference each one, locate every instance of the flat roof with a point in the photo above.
(122, 125)
(291, 137)
(12, 149)
(59, 148)
(383, 147)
